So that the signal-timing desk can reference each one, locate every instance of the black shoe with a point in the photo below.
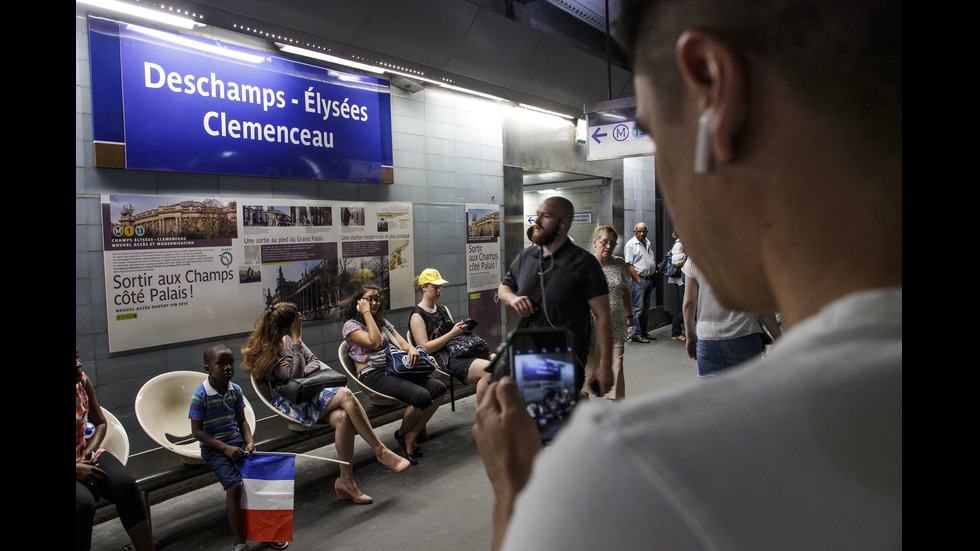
(401, 444)
(649, 336)
(637, 338)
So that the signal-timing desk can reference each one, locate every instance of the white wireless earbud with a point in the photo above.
(702, 148)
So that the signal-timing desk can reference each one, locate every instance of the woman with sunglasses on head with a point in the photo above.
(368, 335)
(618, 277)
(275, 350)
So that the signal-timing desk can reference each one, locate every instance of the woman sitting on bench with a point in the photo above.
(100, 474)
(433, 328)
(367, 343)
(275, 350)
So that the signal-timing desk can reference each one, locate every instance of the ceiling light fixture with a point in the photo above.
(143, 13)
(545, 111)
(312, 54)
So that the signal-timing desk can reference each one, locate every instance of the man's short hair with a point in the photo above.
(843, 58)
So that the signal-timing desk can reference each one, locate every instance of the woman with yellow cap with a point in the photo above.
(433, 328)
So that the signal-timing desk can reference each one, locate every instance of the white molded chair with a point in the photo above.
(262, 390)
(116, 440)
(162, 405)
(376, 398)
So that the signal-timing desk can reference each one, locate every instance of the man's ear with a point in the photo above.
(713, 73)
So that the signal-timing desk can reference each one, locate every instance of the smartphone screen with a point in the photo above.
(543, 364)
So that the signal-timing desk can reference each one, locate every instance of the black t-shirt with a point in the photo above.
(570, 278)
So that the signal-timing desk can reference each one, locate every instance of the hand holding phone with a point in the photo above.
(542, 362)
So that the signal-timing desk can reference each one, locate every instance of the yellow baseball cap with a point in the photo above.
(432, 276)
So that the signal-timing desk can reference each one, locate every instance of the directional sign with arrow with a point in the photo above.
(613, 132)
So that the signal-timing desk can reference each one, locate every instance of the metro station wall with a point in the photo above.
(447, 152)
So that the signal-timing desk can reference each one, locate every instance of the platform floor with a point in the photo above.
(444, 503)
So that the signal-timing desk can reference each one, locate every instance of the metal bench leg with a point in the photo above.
(452, 392)
(146, 503)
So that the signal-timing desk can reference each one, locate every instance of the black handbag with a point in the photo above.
(304, 389)
(468, 345)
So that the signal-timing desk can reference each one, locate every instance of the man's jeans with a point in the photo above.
(716, 356)
(641, 293)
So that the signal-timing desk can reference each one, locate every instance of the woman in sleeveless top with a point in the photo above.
(432, 327)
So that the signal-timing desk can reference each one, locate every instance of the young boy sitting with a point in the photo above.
(218, 422)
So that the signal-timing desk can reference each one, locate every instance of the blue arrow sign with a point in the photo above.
(596, 135)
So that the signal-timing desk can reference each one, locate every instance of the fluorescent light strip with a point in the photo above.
(285, 48)
(187, 42)
(545, 111)
(141, 12)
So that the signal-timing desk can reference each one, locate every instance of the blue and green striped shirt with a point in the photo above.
(217, 410)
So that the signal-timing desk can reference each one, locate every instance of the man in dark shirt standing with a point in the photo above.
(555, 283)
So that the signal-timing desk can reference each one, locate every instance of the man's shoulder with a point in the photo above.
(571, 254)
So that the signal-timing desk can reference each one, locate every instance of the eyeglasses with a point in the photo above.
(607, 243)
(373, 300)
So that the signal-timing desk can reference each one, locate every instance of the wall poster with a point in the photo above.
(184, 268)
(483, 261)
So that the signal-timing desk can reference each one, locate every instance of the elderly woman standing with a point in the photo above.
(617, 276)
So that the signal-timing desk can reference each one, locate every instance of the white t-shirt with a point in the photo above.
(714, 321)
(800, 450)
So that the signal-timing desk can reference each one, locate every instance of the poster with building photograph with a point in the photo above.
(483, 268)
(185, 268)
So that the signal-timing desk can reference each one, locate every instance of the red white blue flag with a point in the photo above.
(267, 502)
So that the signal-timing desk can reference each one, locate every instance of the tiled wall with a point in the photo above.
(447, 152)
(584, 199)
(639, 203)
(639, 199)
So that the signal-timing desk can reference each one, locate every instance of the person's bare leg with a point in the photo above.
(345, 400)
(142, 536)
(413, 424)
(477, 375)
(345, 486)
(233, 508)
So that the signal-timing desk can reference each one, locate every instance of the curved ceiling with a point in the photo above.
(540, 52)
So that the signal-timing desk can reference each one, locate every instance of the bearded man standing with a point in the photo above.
(555, 283)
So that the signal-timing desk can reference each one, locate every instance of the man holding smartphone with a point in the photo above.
(778, 126)
(556, 283)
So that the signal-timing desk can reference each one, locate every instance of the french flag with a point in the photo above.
(267, 502)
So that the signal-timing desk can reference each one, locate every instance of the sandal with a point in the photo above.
(278, 544)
